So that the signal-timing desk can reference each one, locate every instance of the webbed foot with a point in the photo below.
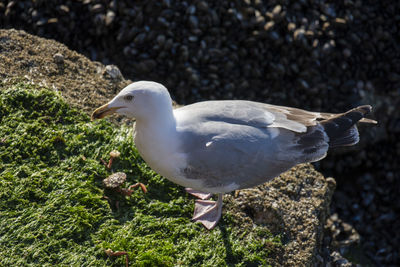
(208, 212)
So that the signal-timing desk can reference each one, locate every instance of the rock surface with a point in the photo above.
(84, 83)
(294, 205)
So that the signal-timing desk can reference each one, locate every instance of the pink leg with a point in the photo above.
(198, 194)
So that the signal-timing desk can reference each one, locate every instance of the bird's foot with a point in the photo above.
(208, 212)
(198, 194)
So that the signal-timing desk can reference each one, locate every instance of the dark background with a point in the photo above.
(319, 55)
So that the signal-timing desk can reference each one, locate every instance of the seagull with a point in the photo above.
(215, 147)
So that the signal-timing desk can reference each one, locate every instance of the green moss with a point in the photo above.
(52, 207)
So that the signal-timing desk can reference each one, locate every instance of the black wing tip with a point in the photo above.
(365, 110)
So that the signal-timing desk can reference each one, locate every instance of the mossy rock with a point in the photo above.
(54, 210)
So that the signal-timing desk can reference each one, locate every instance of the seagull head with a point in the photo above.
(138, 100)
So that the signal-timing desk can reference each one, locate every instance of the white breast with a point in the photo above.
(163, 156)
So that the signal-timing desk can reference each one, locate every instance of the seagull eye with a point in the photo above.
(128, 97)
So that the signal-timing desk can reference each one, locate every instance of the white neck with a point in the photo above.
(157, 123)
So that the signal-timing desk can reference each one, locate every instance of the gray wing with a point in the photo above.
(252, 113)
(240, 144)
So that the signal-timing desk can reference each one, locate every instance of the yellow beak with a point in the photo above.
(103, 111)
